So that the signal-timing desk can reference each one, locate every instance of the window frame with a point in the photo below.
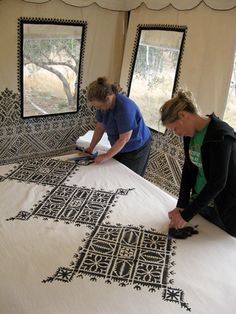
(164, 27)
(42, 21)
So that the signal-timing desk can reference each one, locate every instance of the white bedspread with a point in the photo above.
(92, 240)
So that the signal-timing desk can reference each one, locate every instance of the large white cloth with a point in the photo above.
(92, 239)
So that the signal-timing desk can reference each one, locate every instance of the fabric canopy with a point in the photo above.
(124, 5)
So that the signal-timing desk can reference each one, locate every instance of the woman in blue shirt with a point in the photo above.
(121, 118)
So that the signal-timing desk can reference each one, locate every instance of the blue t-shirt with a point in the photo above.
(123, 117)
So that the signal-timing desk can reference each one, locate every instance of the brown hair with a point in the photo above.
(100, 89)
(182, 101)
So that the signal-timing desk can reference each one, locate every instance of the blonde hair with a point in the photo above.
(182, 101)
(100, 89)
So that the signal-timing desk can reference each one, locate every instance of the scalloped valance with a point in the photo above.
(128, 5)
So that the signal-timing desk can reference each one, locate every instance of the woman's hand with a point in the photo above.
(116, 148)
(101, 158)
(176, 220)
(174, 211)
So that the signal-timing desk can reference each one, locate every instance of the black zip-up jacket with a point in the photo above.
(218, 154)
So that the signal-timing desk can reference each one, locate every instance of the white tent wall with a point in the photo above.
(103, 51)
(208, 53)
(104, 39)
(206, 69)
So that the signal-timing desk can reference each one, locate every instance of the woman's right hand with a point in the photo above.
(88, 150)
(174, 211)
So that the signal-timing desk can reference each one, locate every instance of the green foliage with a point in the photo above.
(47, 50)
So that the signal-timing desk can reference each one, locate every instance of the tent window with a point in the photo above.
(230, 111)
(156, 68)
(50, 58)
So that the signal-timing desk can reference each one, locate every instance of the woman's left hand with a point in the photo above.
(177, 221)
(101, 158)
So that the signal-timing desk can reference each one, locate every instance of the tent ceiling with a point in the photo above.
(127, 5)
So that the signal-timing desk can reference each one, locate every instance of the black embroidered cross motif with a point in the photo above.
(125, 254)
(128, 255)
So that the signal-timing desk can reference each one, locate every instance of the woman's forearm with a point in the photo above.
(97, 135)
(116, 147)
(119, 144)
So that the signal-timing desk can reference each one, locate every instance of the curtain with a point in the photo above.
(104, 40)
(208, 53)
(127, 5)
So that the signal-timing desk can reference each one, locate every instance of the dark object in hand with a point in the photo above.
(84, 160)
(182, 233)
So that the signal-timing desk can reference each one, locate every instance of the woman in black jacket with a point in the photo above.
(208, 184)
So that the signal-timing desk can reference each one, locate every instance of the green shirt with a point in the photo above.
(196, 158)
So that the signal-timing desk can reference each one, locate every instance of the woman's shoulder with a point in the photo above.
(220, 124)
(122, 97)
(124, 100)
(218, 128)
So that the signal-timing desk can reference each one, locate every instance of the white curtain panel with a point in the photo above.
(127, 5)
(104, 39)
(208, 53)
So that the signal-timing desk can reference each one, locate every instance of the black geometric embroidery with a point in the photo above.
(9, 109)
(42, 171)
(41, 136)
(166, 156)
(22, 215)
(2, 178)
(176, 296)
(127, 255)
(50, 135)
(64, 274)
(74, 205)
